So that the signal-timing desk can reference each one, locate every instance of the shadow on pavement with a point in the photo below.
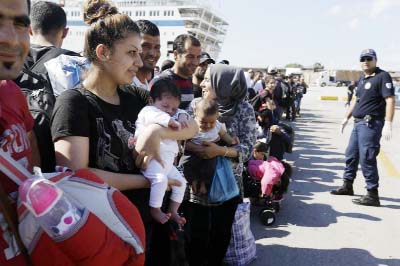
(318, 257)
(316, 165)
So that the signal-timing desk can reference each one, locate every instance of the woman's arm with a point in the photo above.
(228, 139)
(247, 132)
(196, 149)
(148, 143)
(183, 134)
(212, 150)
(73, 152)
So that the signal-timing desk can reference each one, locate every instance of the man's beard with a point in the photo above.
(147, 68)
(9, 70)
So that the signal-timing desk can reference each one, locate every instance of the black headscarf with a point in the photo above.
(230, 87)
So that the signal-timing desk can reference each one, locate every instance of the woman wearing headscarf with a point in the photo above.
(209, 224)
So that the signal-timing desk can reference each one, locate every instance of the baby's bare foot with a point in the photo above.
(159, 216)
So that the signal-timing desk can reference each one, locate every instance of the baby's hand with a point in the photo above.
(235, 141)
(183, 119)
(175, 125)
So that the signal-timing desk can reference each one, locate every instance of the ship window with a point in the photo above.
(144, 13)
(172, 13)
(137, 13)
(158, 13)
(151, 13)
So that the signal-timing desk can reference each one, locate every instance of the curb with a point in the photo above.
(333, 98)
(329, 98)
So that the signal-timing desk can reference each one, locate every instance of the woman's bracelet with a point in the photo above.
(226, 151)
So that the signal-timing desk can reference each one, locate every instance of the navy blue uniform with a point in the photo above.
(369, 115)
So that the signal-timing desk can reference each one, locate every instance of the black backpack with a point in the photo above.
(38, 91)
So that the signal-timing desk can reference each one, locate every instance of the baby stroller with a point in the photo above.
(272, 202)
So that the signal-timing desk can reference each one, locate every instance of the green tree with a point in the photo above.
(294, 65)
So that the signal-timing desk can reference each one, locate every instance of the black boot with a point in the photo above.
(371, 199)
(345, 189)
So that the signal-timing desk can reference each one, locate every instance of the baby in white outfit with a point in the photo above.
(164, 111)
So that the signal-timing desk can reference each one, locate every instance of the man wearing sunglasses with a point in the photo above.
(373, 113)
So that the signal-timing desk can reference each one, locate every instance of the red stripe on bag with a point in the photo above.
(60, 176)
(17, 173)
(21, 210)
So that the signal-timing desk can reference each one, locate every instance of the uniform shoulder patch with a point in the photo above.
(389, 85)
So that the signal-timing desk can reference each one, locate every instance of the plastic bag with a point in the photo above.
(223, 186)
(65, 72)
(242, 248)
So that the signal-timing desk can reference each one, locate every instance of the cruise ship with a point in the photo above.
(173, 17)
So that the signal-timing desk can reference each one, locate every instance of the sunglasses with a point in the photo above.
(369, 59)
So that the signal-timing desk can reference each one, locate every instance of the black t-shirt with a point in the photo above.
(110, 128)
(371, 93)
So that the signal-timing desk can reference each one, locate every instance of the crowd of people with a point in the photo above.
(127, 123)
(138, 129)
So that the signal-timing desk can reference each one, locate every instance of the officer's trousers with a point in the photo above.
(363, 148)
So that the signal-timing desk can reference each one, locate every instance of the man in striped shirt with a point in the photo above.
(187, 53)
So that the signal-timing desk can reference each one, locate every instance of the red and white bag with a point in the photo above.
(110, 232)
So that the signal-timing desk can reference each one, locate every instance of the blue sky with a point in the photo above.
(332, 32)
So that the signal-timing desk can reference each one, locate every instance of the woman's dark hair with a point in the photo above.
(164, 85)
(260, 147)
(94, 10)
(107, 27)
(208, 107)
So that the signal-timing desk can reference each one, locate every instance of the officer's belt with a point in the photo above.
(367, 118)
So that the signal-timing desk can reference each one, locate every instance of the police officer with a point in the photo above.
(373, 113)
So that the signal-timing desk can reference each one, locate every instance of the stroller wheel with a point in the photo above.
(267, 217)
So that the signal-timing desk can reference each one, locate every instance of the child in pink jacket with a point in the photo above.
(268, 171)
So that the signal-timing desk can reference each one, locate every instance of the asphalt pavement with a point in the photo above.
(314, 227)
